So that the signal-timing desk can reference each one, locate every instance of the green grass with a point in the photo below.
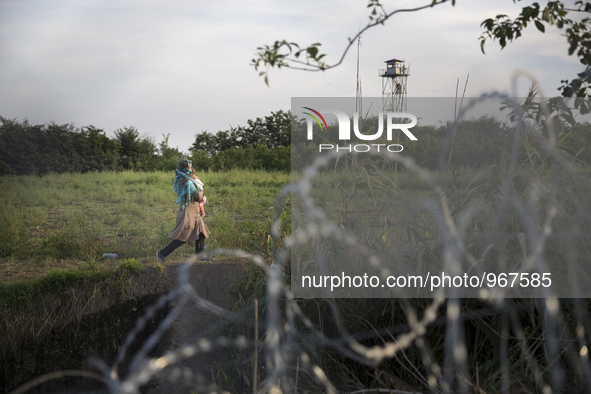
(129, 267)
(16, 296)
(55, 229)
(59, 235)
(67, 221)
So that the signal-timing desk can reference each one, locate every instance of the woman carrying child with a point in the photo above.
(189, 219)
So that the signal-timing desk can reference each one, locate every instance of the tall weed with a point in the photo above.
(12, 228)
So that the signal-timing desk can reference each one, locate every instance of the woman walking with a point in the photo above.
(189, 219)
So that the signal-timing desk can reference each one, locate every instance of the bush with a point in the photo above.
(129, 267)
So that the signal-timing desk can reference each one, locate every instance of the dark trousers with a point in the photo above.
(175, 243)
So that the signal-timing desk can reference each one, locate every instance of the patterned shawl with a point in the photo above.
(184, 191)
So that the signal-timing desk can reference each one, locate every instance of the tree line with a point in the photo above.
(28, 149)
(264, 143)
(477, 142)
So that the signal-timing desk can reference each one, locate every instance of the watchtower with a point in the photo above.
(394, 78)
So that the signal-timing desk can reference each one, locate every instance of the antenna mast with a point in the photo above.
(358, 95)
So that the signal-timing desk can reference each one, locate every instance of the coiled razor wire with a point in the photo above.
(282, 340)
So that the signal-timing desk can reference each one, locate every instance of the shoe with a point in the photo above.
(159, 257)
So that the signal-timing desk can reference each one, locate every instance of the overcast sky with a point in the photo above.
(181, 67)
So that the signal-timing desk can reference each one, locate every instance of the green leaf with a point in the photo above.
(546, 15)
(540, 26)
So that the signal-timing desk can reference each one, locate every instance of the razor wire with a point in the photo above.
(286, 345)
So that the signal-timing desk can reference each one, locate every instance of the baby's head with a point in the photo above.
(185, 166)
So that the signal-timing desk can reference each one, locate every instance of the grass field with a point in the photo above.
(54, 230)
(68, 221)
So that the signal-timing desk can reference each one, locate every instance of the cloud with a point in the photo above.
(183, 66)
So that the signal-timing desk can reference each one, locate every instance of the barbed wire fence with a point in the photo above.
(554, 362)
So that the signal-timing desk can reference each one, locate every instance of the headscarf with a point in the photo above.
(184, 191)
